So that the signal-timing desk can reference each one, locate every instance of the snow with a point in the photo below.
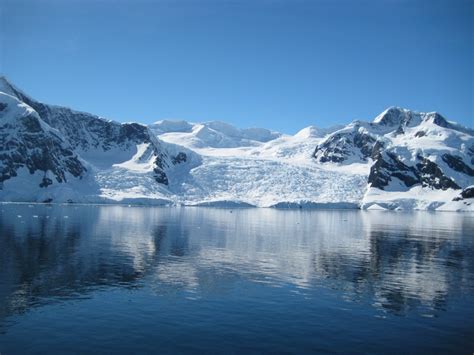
(232, 167)
(457, 206)
(255, 172)
(14, 109)
(6, 87)
(213, 134)
(171, 126)
(24, 188)
(279, 173)
(265, 182)
(142, 160)
(315, 132)
(416, 198)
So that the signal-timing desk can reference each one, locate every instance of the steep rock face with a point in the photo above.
(457, 163)
(397, 118)
(466, 195)
(468, 192)
(389, 168)
(431, 175)
(28, 142)
(401, 160)
(92, 136)
(354, 143)
(404, 150)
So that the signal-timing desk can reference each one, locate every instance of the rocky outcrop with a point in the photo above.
(389, 166)
(430, 175)
(467, 193)
(457, 163)
(392, 142)
(83, 134)
(27, 142)
(354, 143)
(52, 153)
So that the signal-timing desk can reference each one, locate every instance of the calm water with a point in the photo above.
(128, 279)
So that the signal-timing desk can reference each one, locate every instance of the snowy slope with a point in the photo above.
(115, 161)
(31, 152)
(265, 182)
(213, 134)
(400, 160)
(258, 167)
(417, 160)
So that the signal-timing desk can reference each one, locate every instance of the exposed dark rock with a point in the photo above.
(340, 146)
(333, 149)
(394, 116)
(83, 132)
(37, 150)
(387, 166)
(361, 140)
(377, 149)
(160, 176)
(440, 121)
(456, 163)
(432, 176)
(467, 193)
(134, 132)
(365, 142)
(46, 182)
(31, 124)
(425, 172)
(470, 152)
(399, 131)
(180, 158)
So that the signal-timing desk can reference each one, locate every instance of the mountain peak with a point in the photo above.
(438, 120)
(396, 116)
(8, 88)
(5, 86)
(393, 116)
(308, 132)
(95, 160)
(172, 125)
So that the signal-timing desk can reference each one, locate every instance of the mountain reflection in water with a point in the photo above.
(397, 264)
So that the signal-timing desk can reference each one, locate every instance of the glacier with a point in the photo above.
(401, 160)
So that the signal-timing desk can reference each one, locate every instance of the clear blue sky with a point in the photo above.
(281, 64)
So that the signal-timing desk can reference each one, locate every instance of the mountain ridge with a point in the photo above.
(401, 159)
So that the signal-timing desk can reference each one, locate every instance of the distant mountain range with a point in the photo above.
(402, 160)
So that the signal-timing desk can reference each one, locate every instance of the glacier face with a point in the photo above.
(400, 160)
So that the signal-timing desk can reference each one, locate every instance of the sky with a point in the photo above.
(279, 64)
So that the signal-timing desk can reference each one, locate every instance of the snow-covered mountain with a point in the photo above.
(52, 153)
(414, 157)
(400, 160)
(213, 134)
(30, 144)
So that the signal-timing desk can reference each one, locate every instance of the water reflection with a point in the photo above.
(396, 262)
